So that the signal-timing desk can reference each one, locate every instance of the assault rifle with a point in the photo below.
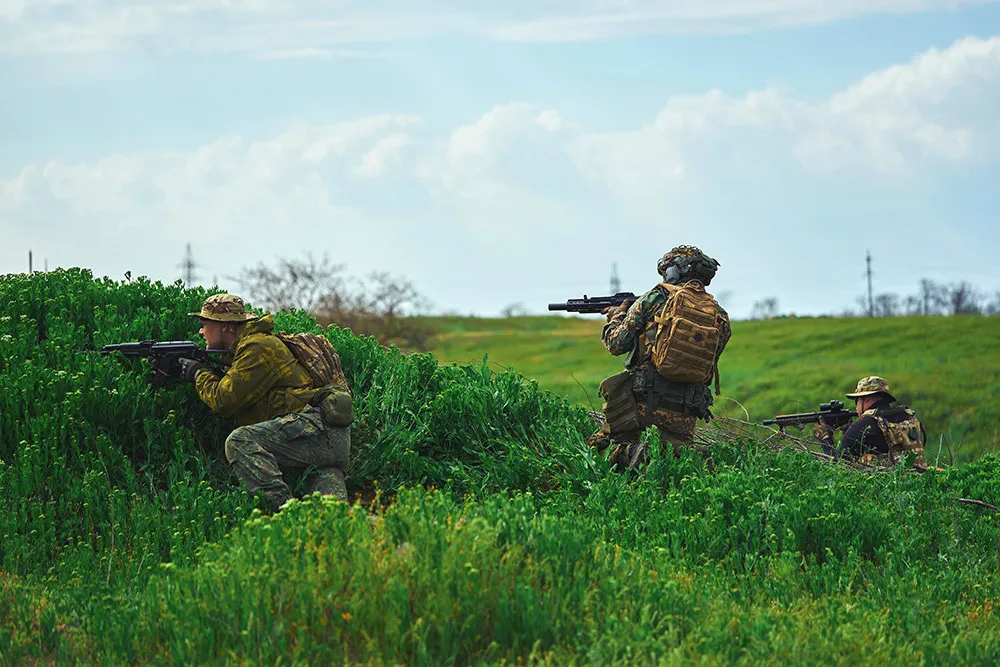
(832, 413)
(164, 356)
(593, 304)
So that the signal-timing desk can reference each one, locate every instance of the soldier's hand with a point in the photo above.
(868, 459)
(823, 430)
(611, 311)
(189, 369)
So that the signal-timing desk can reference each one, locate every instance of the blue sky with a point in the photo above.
(508, 154)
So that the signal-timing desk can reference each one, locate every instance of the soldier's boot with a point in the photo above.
(328, 481)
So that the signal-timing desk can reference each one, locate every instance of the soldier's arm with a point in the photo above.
(621, 333)
(247, 381)
(725, 332)
(864, 437)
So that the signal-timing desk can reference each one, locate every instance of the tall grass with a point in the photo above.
(127, 540)
(946, 368)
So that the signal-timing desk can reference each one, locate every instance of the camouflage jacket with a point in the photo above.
(265, 381)
(634, 331)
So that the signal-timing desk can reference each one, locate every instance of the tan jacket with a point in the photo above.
(265, 381)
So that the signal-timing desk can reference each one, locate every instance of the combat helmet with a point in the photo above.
(690, 262)
(224, 308)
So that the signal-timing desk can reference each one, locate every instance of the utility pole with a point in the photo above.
(871, 302)
(30, 271)
(188, 266)
(616, 283)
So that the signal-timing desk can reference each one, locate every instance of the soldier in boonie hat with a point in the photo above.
(271, 397)
(870, 386)
(224, 308)
(883, 432)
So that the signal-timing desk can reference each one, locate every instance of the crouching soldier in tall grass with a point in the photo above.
(674, 335)
(286, 394)
(884, 433)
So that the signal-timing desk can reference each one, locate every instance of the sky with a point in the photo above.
(499, 154)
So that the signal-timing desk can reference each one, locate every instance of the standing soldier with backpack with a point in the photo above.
(674, 335)
(287, 395)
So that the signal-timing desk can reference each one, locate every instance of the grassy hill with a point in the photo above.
(500, 537)
(946, 368)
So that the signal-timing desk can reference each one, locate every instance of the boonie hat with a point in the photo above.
(871, 385)
(224, 308)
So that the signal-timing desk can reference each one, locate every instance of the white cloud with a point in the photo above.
(769, 159)
(298, 28)
(934, 110)
(386, 153)
(290, 54)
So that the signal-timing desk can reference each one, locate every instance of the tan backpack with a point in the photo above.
(902, 437)
(687, 335)
(316, 355)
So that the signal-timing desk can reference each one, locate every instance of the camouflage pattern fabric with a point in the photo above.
(903, 437)
(634, 331)
(263, 382)
(269, 454)
(224, 308)
(691, 263)
(626, 452)
(871, 385)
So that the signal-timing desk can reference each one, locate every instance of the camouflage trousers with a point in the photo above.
(626, 452)
(298, 449)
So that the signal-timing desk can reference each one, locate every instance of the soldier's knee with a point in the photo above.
(237, 442)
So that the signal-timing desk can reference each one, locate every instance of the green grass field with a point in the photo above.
(496, 535)
(946, 368)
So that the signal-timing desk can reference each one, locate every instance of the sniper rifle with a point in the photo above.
(165, 356)
(832, 413)
(593, 304)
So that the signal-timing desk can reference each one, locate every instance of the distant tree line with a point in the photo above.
(379, 305)
(931, 298)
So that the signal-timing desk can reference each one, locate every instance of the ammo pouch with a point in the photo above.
(620, 409)
(335, 406)
(691, 399)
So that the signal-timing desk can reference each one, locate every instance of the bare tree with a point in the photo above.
(765, 309)
(964, 299)
(384, 306)
(932, 297)
(514, 310)
(993, 307)
(886, 305)
(292, 283)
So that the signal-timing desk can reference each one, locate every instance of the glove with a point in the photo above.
(823, 430)
(611, 311)
(189, 369)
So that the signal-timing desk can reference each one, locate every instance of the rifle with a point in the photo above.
(593, 304)
(832, 413)
(164, 356)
